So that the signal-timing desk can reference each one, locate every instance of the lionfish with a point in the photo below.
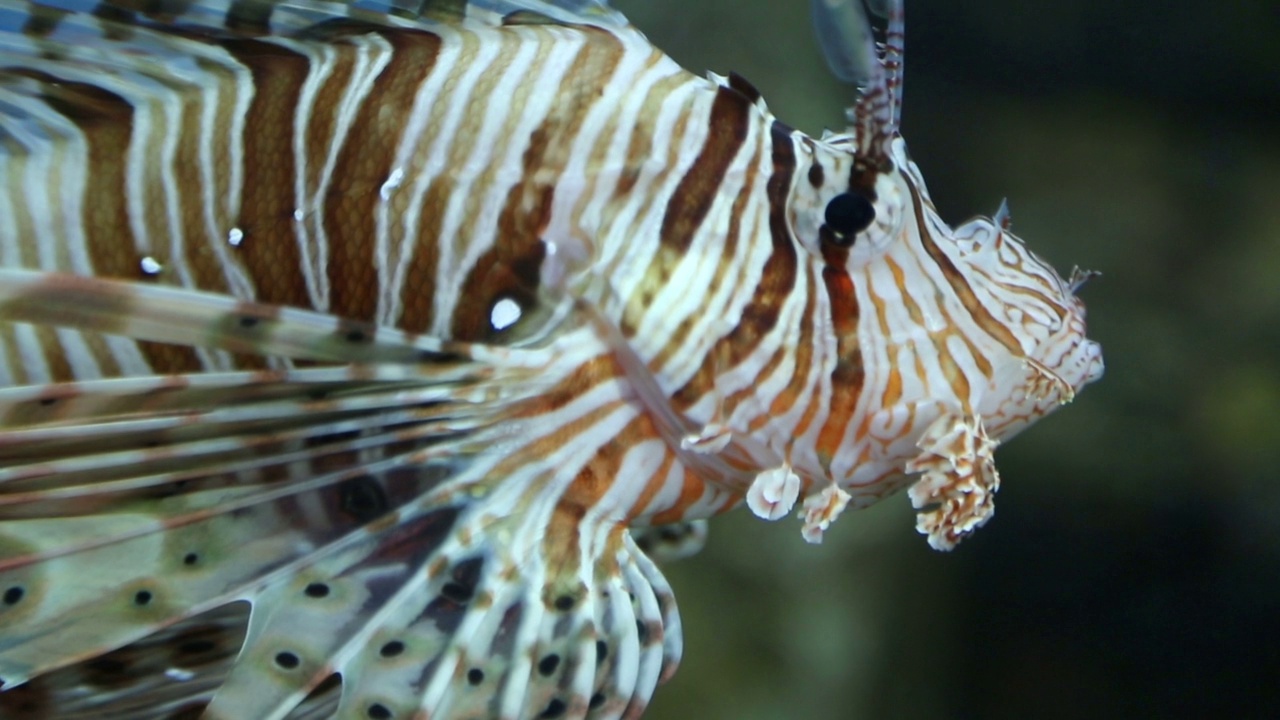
(345, 346)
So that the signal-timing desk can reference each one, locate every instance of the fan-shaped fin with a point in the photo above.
(181, 316)
(175, 670)
(360, 510)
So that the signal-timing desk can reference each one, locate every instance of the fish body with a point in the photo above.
(344, 344)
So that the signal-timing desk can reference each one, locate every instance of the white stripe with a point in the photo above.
(481, 166)
(398, 257)
(625, 258)
(363, 75)
(221, 207)
(313, 252)
(461, 99)
(136, 164)
(627, 93)
(543, 90)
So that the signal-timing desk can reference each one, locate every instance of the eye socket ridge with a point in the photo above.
(848, 214)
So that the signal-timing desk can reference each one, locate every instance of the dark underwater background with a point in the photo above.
(1132, 569)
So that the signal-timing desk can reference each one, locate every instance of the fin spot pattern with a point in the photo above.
(565, 603)
(596, 701)
(548, 664)
(555, 709)
(362, 498)
(378, 711)
(317, 590)
(445, 613)
(456, 592)
(391, 649)
(466, 575)
(142, 598)
(287, 660)
(13, 595)
(190, 559)
(475, 676)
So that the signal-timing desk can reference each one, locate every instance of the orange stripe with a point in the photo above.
(960, 286)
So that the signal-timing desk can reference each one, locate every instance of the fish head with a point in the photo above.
(966, 317)
(941, 341)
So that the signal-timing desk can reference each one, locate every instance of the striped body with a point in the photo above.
(475, 295)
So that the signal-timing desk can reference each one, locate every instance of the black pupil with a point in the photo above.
(849, 214)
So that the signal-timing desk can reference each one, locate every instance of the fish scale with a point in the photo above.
(360, 358)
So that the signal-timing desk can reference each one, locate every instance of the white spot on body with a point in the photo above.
(235, 236)
(298, 214)
(151, 266)
(505, 313)
(393, 182)
(179, 674)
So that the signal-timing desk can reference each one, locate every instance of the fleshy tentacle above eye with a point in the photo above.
(847, 37)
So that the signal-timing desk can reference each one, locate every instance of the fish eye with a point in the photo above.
(848, 214)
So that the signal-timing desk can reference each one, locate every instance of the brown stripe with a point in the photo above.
(802, 350)
(640, 143)
(639, 157)
(950, 370)
(418, 294)
(363, 165)
(106, 120)
(776, 282)
(102, 354)
(728, 250)
(270, 248)
(744, 86)
(960, 286)
(652, 485)
(12, 355)
(55, 355)
(779, 276)
(849, 374)
(318, 137)
(511, 269)
(1042, 298)
(207, 272)
(164, 358)
(698, 189)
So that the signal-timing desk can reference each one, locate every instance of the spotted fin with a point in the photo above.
(672, 542)
(366, 511)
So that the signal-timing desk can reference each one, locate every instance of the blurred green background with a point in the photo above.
(1133, 567)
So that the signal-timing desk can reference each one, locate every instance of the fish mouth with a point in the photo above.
(1095, 367)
